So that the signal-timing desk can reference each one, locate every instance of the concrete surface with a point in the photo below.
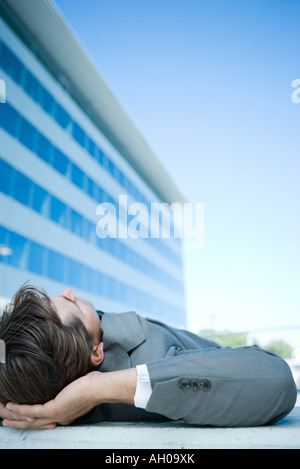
(285, 434)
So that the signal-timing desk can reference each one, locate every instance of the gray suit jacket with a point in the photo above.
(193, 379)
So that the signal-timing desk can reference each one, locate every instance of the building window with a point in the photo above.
(58, 212)
(76, 222)
(20, 250)
(22, 188)
(11, 64)
(61, 116)
(8, 119)
(60, 161)
(56, 266)
(73, 274)
(91, 147)
(37, 258)
(6, 177)
(78, 134)
(99, 155)
(77, 176)
(47, 101)
(32, 86)
(44, 148)
(40, 199)
(27, 134)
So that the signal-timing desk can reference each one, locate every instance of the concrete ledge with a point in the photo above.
(283, 435)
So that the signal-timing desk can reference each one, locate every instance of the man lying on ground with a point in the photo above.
(68, 363)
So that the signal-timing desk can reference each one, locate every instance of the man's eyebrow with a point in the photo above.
(71, 301)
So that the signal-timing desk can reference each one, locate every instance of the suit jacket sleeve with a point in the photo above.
(245, 386)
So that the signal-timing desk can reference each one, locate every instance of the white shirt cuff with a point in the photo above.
(143, 387)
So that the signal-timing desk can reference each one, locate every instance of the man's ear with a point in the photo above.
(97, 354)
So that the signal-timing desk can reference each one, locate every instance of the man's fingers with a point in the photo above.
(38, 424)
(5, 413)
(49, 426)
(29, 411)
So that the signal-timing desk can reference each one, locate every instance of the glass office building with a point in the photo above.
(61, 155)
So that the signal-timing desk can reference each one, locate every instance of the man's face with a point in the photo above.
(69, 306)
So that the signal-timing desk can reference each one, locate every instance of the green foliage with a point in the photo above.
(231, 339)
(281, 348)
(226, 339)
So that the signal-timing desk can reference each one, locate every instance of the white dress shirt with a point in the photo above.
(143, 387)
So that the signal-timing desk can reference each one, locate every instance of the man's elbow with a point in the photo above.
(283, 393)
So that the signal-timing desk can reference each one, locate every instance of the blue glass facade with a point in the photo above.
(21, 188)
(36, 258)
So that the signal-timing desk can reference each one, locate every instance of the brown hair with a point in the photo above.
(43, 355)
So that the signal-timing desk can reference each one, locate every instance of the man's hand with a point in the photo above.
(7, 414)
(74, 401)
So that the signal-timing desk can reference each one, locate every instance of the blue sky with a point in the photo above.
(208, 84)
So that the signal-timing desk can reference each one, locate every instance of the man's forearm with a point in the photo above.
(75, 400)
(114, 387)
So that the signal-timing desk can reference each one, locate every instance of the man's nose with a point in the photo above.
(68, 293)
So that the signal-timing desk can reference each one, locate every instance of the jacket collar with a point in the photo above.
(122, 332)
